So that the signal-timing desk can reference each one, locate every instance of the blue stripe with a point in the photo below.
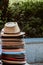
(14, 52)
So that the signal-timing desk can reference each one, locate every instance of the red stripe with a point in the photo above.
(13, 59)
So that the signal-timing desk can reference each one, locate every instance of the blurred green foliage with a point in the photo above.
(29, 16)
(3, 12)
(1, 22)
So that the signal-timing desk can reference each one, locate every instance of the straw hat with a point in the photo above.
(11, 29)
(14, 62)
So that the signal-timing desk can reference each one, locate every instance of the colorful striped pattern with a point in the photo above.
(13, 50)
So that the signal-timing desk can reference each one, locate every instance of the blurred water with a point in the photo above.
(34, 50)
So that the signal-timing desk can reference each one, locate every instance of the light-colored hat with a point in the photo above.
(14, 62)
(11, 29)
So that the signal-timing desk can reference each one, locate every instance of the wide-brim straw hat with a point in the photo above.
(11, 29)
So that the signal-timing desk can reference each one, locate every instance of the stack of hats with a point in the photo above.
(0, 51)
(13, 44)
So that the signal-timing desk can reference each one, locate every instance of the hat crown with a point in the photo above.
(11, 24)
(11, 27)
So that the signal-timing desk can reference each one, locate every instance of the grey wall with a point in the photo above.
(34, 49)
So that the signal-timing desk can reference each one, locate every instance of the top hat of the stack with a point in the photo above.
(11, 29)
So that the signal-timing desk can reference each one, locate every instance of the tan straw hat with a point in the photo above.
(11, 29)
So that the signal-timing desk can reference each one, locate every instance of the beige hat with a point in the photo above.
(11, 29)
(14, 62)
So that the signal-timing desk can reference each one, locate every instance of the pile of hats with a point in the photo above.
(0, 50)
(13, 44)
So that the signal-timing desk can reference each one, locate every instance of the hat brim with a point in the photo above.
(14, 62)
(13, 50)
(12, 34)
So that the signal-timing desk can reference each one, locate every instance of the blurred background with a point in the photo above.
(28, 14)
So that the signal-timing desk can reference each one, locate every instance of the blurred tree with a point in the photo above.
(3, 11)
(1, 3)
(4, 8)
